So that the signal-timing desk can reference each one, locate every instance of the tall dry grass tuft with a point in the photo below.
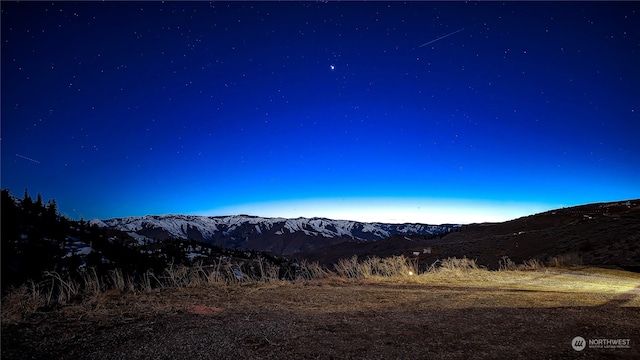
(458, 265)
(64, 286)
(531, 265)
(507, 264)
(394, 266)
(267, 271)
(312, 271)
(120, 281)
(566, 260)
(200, 275)
(176, 276)
(222, 272)
(92, 283)
(149, 281)
(375, 267)
(347, 268)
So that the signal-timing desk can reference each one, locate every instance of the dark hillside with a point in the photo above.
(604, 234)
(37, 240)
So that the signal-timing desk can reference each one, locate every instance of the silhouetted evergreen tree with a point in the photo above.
(26, 200)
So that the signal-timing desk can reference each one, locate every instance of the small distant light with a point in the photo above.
(410, 273)
(333, 67)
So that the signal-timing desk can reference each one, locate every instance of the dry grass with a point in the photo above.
(468, 288)
(454, 311)
(62, 290)
(398, 267)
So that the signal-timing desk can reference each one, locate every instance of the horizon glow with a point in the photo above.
(387, 210)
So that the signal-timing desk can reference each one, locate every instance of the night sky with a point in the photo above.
(419, 112)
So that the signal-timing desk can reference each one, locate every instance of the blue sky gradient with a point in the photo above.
(119, 109)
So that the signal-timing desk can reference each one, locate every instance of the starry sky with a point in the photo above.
(378, 111)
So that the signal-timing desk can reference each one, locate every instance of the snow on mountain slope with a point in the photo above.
(272, 234)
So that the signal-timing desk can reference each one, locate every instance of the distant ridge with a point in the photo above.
(277, 235)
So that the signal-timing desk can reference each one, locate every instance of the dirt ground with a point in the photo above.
(534, 316)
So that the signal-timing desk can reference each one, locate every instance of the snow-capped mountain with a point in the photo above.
(278, 235)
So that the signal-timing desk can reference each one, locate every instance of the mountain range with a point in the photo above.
(603, 234)
(276, 235)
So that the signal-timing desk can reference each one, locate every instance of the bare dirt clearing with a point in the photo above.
(445, 315)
